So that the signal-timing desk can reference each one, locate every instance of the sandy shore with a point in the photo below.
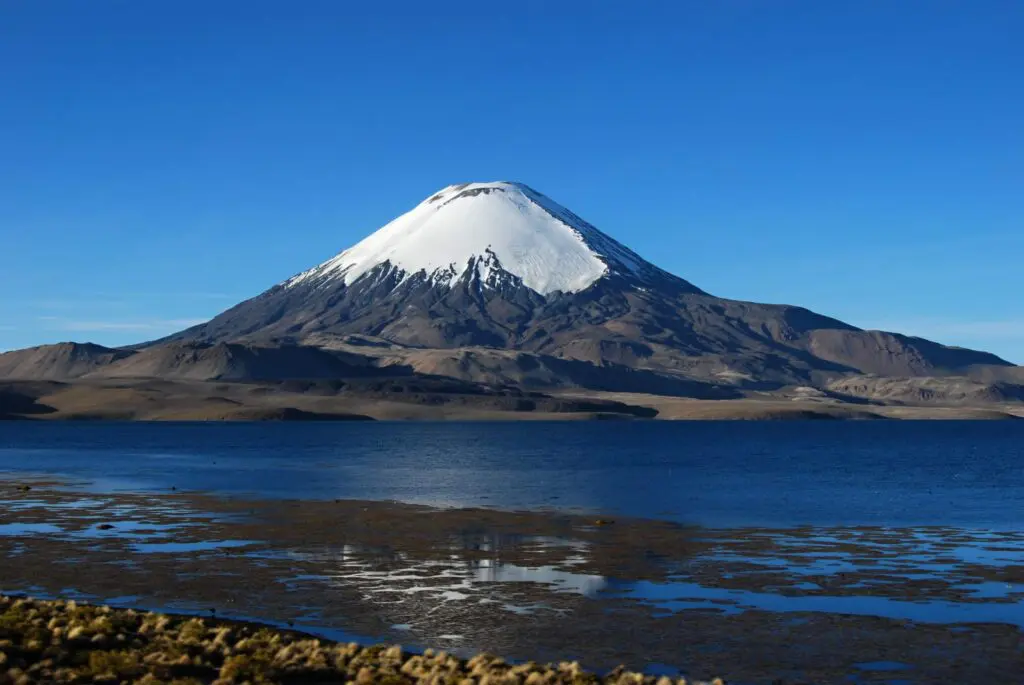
(157, 400)
(769, 408)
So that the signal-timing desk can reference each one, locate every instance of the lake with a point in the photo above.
(751, 550)
(709, 473)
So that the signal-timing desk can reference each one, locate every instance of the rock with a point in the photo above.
(130, 646)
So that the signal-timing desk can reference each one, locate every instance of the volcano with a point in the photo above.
(499, 267)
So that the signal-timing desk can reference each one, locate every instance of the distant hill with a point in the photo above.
(235, 362)
(58, 362)
(948, 390)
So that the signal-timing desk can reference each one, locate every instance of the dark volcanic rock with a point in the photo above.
(612, 324)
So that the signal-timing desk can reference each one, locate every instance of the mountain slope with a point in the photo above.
(235, 362)
(949, 390)
(57, 362)
(474, 264)
(500, 265)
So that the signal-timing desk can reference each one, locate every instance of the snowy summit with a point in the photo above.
(494, 228)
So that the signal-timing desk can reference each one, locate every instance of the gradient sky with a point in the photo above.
(162, 160)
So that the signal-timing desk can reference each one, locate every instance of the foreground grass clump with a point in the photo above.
(65, 642)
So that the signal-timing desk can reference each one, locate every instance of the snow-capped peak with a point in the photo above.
(487, 227)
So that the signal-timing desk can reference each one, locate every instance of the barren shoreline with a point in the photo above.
(156, 400)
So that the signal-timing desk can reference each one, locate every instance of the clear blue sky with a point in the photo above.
(161, 160)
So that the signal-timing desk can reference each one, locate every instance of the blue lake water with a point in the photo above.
(718, 474)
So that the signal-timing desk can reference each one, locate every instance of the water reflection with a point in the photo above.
(18, 529)
(186, 547)
(680, 596)
(393, 577)
(490, 571)
(398, 577)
